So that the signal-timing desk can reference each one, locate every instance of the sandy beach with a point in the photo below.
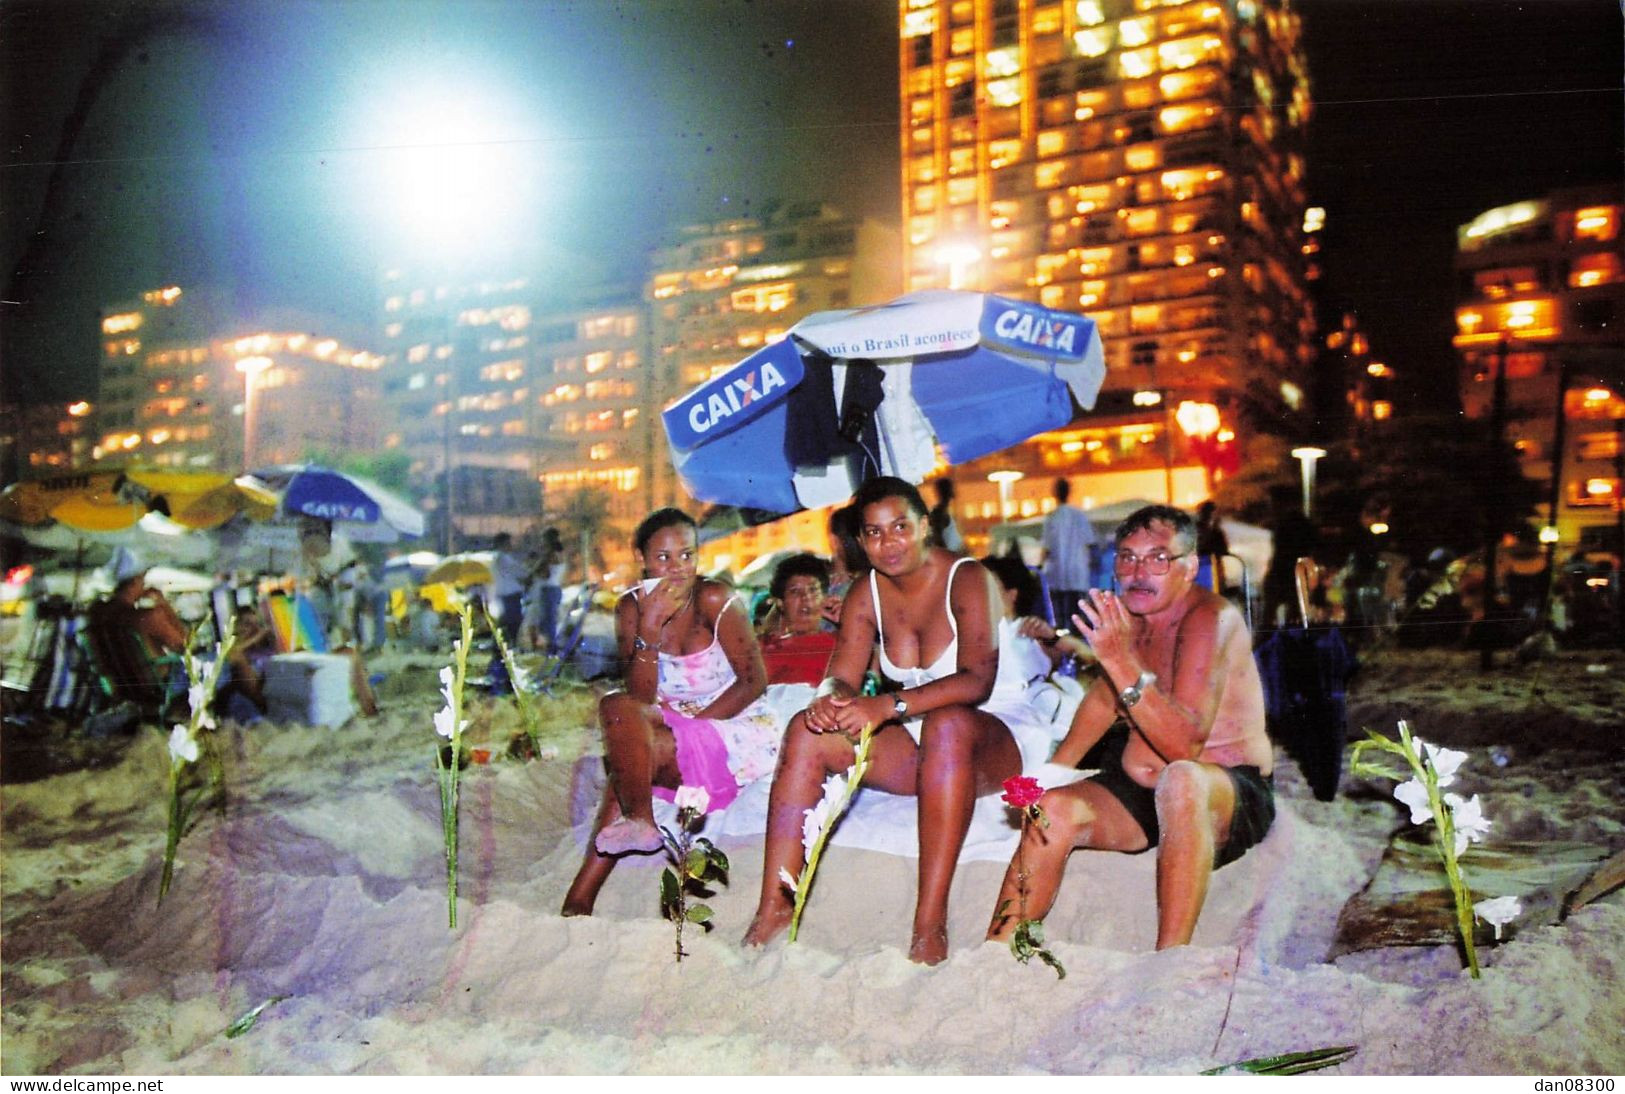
(323, 882)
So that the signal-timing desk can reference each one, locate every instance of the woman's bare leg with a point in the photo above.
(631, 731)
(595, 867)
(1080, 815)
(806, 759)
(962, 751)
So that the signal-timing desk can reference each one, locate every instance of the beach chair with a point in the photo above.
(573, 631)
(130, 670)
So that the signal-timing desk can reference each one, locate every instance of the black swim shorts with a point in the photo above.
(1249, 823)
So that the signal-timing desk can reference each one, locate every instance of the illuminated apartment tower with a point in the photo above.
(180, 388)
(459, 392)
(1140, 162)
(1542, 309)
(718, 292)
(596, 414)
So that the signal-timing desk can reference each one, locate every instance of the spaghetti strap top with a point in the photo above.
(947, 662)
(697, 677)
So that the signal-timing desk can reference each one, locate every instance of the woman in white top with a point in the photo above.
(932, 615)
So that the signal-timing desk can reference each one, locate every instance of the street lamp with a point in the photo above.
(1307, 455)
(1004, 480)
(960, 258)
(250, 367)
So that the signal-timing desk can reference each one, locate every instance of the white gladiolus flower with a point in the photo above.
(1415, 795)
(835, 787)
(443, 723)
(788, 879)
(695, 798)
(1444, 762)
(1498, 912)
(182, 745)
(813, 826)
(1468, 816)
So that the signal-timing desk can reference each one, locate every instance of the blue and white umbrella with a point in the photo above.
(847, 395)
(358, 507)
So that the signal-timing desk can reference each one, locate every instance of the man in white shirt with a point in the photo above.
(508, 588)
(1068, 539)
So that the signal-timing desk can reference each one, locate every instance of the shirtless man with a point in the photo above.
(1179, 718)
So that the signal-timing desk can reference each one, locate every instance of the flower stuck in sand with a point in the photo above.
(186, 746)
(820, 822)
(694, 862)
(1458, 822)
(1022, 792)
(449, 723)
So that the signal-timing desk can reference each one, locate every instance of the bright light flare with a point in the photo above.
(459, 168)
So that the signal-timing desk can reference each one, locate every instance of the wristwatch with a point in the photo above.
(1132, 694)
(900, 705)
(638, 643)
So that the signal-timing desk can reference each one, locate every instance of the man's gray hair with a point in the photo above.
(1142, 519)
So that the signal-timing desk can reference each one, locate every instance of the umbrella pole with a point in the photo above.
(78, 564)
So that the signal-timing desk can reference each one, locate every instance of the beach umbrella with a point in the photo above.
(358, 507)
(407, 570)
(847, 395)
(462, 570)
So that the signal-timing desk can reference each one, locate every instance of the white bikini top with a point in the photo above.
(947, 662)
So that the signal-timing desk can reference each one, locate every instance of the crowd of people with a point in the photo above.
(954, 665)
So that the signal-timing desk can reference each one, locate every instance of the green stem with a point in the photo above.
(172, 841)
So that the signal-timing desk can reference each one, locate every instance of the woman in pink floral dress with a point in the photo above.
(691, 713)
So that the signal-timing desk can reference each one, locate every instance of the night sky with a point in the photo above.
(251, 145)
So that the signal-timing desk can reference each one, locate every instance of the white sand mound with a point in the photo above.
(323, 881)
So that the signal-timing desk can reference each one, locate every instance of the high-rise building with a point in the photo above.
(1542, 317)
(718, 292)
(459, 387)
(596, 414)
(181, 387)
(1140, 162)
(46, 438)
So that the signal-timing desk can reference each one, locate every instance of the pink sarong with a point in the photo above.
(702, 760)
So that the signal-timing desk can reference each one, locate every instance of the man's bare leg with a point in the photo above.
(962, 750)
(805, 761)
(1081, 815)
(629, 758)
(1195, 802)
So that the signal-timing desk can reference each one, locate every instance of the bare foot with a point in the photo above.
(766, 926)
(929, 947)
(625, 836)
(574, 908)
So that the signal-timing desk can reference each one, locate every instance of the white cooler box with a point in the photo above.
(310, 688)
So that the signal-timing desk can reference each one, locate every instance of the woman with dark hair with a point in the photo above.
(847, 560)
(691, 713)
(932, 616)
(797, 644)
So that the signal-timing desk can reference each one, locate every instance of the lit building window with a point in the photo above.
(1003, 62)
(1134, 32)
(1381, 410)
(1136, 63)
(1598, 223)
(1004, 153)
(1094, 42)
(961, 191)
(1005, 92)
(1187, 52)
(1594, 269)
(119, 324)
(1091, 13)
(1143, 157)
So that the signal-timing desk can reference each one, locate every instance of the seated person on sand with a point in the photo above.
(932, 614)
(796, 643)
(1023, 600)
(692, 711)
(1175, 722)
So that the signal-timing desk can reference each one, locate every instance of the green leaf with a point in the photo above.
(669, 893)
(1290, 1063)
(1053, 962)
(694, 866)
(699, 913)
(246, 1022)
(714, 853)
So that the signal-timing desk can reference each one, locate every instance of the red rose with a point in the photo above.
(1020, 791)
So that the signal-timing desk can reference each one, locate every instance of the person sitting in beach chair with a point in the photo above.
(135, 637)
(796, 643)
(692, 712)
(1175, 723)
(932, 614)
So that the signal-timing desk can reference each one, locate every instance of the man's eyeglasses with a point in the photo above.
(1156, 563)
